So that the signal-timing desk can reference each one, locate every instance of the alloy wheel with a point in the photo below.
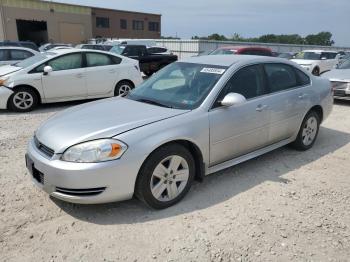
(309, 131)
(124, 90)
(23, 100)
(169, 178)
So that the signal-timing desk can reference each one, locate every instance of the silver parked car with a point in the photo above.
(340, 78)
(192, 118)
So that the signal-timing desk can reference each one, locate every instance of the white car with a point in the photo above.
(11, 55)
(317, 61)
(65, 75)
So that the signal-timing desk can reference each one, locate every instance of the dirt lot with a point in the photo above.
(283, 206)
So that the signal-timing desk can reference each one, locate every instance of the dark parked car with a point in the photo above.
(149, 63)
(26, 44)
(242, 50)
(289, 55)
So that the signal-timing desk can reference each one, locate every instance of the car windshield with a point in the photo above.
(33, 60)
(179, 85)
(223, 52)
(308, 56)
(117, 49)
(344, 65)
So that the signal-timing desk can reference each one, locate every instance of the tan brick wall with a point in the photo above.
(114, 29)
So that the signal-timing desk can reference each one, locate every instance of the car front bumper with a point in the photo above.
(83, 183)
(5, 94)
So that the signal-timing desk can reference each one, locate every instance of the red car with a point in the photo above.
(242, 50)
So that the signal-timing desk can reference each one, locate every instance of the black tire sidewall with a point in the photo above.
(314, 70)
(143, 190)
(12, 105)
(298, 143)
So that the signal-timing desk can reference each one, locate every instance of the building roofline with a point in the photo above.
(101, 8)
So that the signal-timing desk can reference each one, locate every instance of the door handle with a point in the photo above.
(261, 108)
(112, 71)
(79, 75)
(302, 96)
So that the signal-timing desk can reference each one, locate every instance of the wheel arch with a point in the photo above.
(319, 110)
(125, 80)
(30, 87)
(193, 149)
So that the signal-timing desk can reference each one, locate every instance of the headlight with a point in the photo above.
(3, 80)
(95, 151)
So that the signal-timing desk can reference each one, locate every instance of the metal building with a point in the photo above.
(43, 21)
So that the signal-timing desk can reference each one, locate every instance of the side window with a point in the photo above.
(72, 61)
(248, 81)
(303, 79)
(95, 59)
(331, 55)
(20, 55)
(132, 51)
(280, 77)
(3, 55)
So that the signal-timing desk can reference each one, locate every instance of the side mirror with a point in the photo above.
(233, 99)
(47, 70)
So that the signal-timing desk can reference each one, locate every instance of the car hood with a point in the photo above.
(304, 61)
(338, 74)
(100, 119)
(8, 69)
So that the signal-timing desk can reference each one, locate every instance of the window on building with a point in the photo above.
(123, 24)
(137, 25)
(153, 26)
(102, 22)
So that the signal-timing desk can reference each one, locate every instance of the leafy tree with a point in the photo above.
(322, 38)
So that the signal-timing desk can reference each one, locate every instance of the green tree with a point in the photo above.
(322, 38)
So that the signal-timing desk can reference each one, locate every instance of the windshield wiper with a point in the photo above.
(152, 102)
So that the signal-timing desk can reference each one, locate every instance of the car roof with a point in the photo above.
(76, 50)
(243, 47)
(228, 60)
(18, 48)
(320, 51)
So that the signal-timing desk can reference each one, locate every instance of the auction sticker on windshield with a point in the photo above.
(218, 71)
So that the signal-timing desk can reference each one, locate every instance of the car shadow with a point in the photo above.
(215, 188)
(342, 102)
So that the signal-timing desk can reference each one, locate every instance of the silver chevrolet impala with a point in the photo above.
(193, 118)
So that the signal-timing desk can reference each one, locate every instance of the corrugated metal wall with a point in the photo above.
(186, 48)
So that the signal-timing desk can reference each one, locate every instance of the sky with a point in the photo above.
(249, 18)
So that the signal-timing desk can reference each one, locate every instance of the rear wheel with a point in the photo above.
(308, 132)
(123, 88)
(316, 71)
(23, 100)
(165, 177)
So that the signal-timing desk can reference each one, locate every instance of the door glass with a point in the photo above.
(95, 59)
(72, 61)
(3, 55)
(20, 55)
(280, 77)
(248, 81)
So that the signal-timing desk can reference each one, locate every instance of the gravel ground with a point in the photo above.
(283, 206)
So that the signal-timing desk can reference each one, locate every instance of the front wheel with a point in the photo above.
(308, 132)
(166, 176)
(23, 100)
(316, 71)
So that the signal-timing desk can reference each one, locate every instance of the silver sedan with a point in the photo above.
(193, 118)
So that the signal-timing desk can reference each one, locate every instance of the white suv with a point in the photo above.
(317, 61)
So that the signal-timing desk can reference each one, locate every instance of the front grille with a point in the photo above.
(339, 93)
(339, 85)
(44, 149)
(38, 176)
(80, 192)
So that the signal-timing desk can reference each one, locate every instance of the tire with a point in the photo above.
(308, 132)
(158, 185)
(123, 88)
(24, 99)
(316, 71)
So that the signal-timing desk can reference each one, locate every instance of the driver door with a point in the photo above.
(67, 81)
(241, 129)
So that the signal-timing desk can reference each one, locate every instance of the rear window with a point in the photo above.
(303, 79)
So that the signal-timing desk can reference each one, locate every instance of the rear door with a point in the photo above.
(239, 130)
(67, 81)
(103, 72)
(287, 100)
